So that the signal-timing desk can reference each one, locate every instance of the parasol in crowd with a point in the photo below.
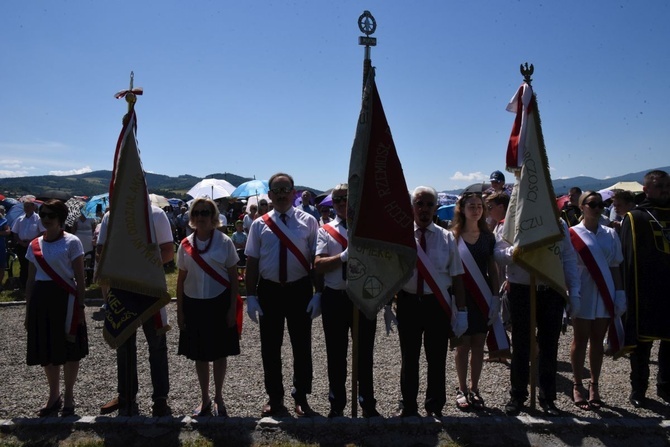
(251, 188)
(213, 188)
(158, 200)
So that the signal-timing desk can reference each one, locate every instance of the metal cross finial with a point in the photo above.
(527, 72)
(367, 24)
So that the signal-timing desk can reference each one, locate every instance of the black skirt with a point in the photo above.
(206, 336)
(47, 341)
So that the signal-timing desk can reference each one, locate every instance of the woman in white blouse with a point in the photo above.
(207, 290)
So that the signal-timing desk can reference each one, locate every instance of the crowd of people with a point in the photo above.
(467, 290)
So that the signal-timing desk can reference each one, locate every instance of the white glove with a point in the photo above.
(575, 304)
(389, 319)
(494, 309)
(314, 306)
(620, 303)
(253, 308)
(344, 256)
(461, 323)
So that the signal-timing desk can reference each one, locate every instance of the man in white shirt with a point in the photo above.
(26, 228)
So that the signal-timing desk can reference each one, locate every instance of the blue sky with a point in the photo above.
(255, 87)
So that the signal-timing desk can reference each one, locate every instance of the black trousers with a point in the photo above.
(421, 318)
(337, 313)
(288, 304)
(639, 366)
(126, 359)
(21, 251)
(549, 317)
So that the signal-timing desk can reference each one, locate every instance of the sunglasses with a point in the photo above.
(594, 205)
(282, 190)
(44, 214)
(421, 203)
(339, 199)
(203, 213)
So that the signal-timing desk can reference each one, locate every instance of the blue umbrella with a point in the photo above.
(251, 188)
(102, 199)
(446, 212)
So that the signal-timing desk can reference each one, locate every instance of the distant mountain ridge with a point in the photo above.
(97, 182)
(562, 186)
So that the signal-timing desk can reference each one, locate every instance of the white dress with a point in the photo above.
(85, 233)
(592, 304)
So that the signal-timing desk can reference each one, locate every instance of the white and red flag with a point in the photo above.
(531, 223)
(131, 258)
(382, 249)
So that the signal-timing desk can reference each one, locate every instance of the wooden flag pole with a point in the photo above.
(533, 339)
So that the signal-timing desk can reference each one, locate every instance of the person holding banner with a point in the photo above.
(280, 250)
(337, 313)
(549, 315)
(645, 238)
(207, 290)
(603, 299)
(475, 246)
(55, 319)
(425, 309)
(154, 330)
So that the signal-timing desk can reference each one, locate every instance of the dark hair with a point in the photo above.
(626, 196)
(58, 207)
(653, 175)
(280, 174)
(498, 198)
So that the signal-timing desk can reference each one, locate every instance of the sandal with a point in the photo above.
(596, 403)
(220, 409)
(462, 401)
(580, 402)
(51, 410)
(476, 400)
(203, 411)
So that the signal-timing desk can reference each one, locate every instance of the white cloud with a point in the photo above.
(7, 173)
(83, 170)
(471, 177)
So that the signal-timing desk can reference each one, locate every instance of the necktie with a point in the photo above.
(282, 255)
(344, 264)
(419, 276)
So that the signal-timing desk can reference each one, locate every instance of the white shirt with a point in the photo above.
(161, 227)
(263, 244)
(515, 274)
(327, 245)
(442, 250)
(221, 255)
(28, 228)
(59, 254)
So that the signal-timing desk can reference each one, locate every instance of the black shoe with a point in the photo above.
(405, 413)
(371, 413)
(663, 394)
(549, 408)
(513, 407)
(128, 410)
(160, 408)
(434, 414)
(637, 399)
(273, 408)
(335, 414)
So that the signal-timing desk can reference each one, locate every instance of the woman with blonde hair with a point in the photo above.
(603, 299)
(475, 245)
(207, 290)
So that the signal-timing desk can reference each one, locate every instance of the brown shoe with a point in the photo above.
(111, 406)
(302, 409)
(272, 409)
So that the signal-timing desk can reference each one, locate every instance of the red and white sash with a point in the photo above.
(339, 237)
(436, 283)
(597, 266)
(188, 247)
(479, 289)
(67, 284)
(286, 237)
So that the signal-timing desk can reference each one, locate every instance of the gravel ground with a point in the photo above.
(24, 389)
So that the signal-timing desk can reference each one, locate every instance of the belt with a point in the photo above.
(286, 284)
(539, 287)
